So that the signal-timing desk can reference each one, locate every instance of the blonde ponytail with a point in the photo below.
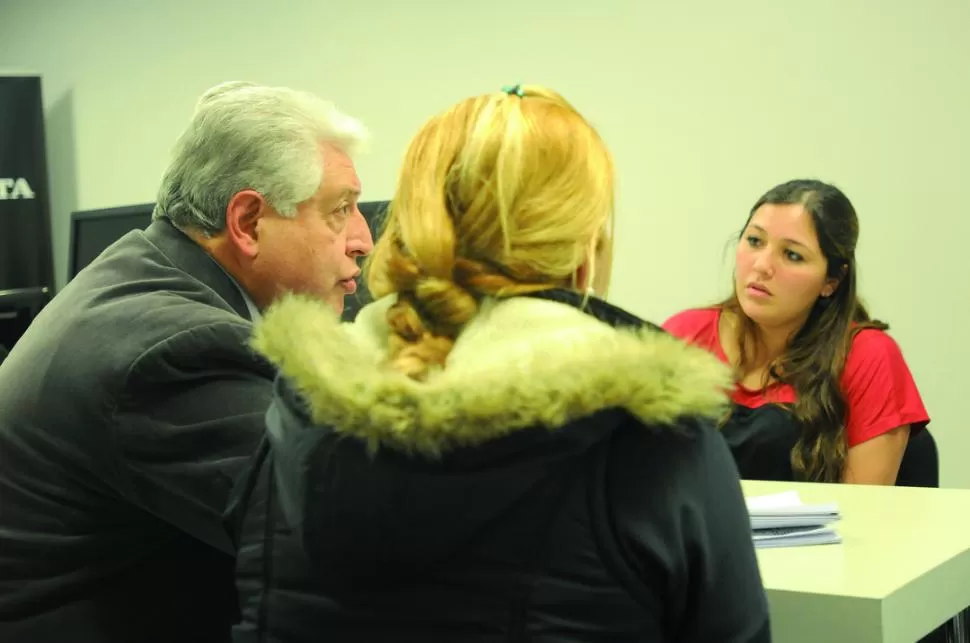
(500, 195)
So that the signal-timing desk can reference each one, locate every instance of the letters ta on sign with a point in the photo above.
(15, 188)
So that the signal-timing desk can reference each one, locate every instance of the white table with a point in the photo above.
(902, 569)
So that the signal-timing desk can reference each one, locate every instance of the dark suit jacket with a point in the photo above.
(126, 411)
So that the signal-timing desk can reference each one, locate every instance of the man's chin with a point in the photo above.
(337, 303)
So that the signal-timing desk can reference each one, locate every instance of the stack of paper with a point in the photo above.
(783, 520)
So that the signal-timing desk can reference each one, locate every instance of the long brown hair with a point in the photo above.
(815, 358)
(502, 194)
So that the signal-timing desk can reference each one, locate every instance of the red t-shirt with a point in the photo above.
(879, 389)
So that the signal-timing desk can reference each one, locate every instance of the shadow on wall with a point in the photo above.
(62, 168)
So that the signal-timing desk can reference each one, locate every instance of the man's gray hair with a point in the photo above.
(246, 136)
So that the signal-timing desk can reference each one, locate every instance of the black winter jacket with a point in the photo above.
(559, 480)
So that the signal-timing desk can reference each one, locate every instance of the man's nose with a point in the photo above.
(360, 241)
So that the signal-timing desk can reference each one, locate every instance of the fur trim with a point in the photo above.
(520, 363)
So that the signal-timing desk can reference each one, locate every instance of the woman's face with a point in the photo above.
(780, 271)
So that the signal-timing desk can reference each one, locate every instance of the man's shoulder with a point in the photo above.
(144, 295)
(207, 344)
(131, 304)
(153, 283)
(167, 333)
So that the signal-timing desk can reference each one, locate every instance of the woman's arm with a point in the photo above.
(883, 408)
(681, 518)
(876, 461)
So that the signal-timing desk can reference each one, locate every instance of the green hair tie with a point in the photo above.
(514, 90)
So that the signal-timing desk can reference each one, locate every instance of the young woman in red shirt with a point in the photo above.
(823, 392)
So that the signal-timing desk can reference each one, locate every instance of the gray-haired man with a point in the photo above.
(132, 401)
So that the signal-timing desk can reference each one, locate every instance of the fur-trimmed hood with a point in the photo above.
(520, 363)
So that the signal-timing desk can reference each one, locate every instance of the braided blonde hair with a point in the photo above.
(501, 195)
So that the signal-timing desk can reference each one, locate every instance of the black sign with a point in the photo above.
(25, 229)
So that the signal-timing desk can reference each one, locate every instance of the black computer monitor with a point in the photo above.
(374, 212)
(92, 231)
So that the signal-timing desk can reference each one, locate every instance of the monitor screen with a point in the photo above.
(92, 231)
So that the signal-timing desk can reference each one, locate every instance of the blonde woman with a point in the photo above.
(491, 452)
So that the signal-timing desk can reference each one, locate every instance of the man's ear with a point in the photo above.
(242, 221)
